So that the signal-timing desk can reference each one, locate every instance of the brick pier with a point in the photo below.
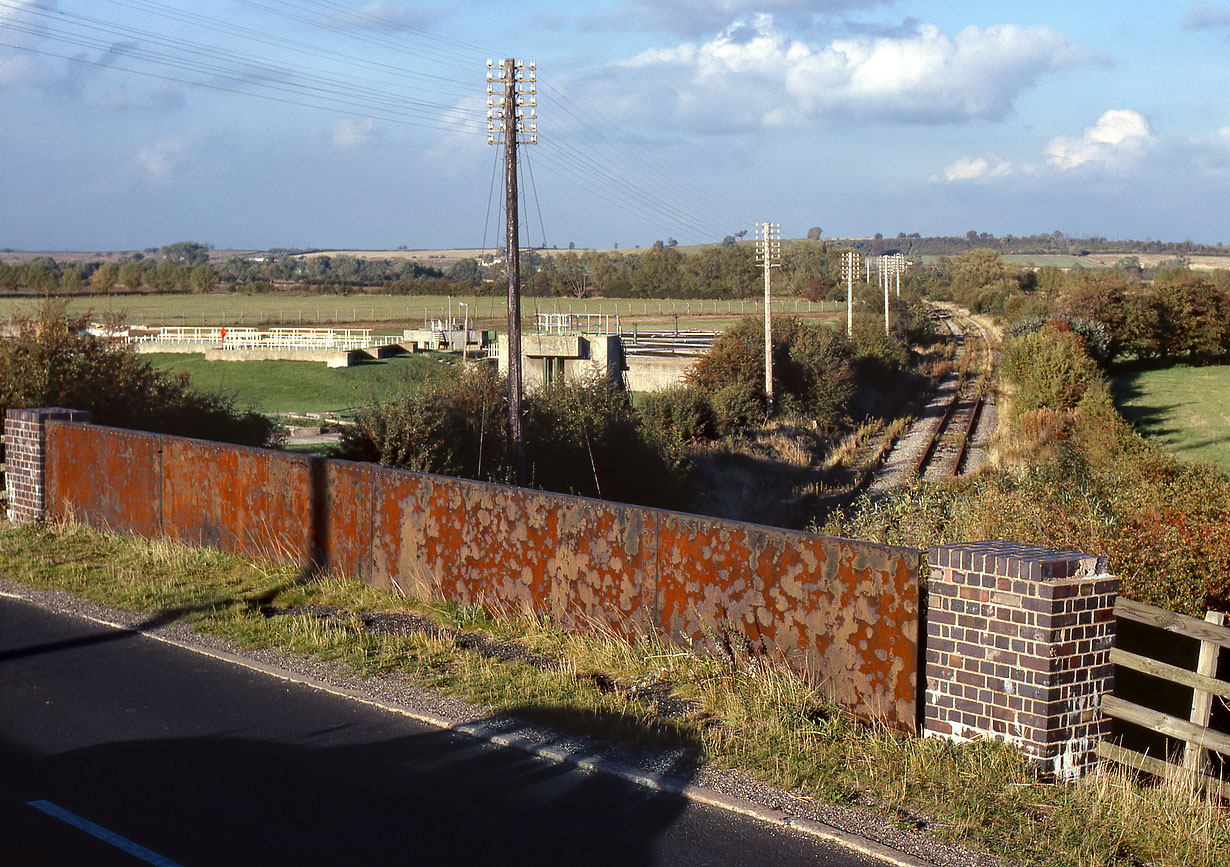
(1018, 649)
(25, 471)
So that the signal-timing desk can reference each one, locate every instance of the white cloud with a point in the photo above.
(354, 132)
(160, 162)
(697, 17)
(1204, 16)
(977, 169)
(1119, 135)
(753, 75)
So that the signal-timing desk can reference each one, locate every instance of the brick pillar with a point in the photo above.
(24, 458)
(1018, 649)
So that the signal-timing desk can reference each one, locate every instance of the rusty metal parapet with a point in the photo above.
(843, 612)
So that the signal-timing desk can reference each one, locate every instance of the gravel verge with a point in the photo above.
(902, 839)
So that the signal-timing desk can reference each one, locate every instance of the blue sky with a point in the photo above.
(349, 123)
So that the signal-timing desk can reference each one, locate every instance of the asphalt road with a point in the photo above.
(185, 759)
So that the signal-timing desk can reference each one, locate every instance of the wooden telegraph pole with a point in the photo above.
(769, 255)
(849, 269)
(515, 109)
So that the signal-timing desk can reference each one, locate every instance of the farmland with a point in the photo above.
(393, 312)
(1186, 408)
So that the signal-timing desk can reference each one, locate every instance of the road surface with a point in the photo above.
(119, 749)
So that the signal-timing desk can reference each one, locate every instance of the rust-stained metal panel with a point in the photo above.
(845, 613)
(242, 500)
(345, 523)
(103, 477)
(576, 561)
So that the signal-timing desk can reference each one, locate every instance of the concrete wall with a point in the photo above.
(845, 613)
(656, 372)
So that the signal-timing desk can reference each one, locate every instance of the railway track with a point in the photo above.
(945, 452)
(937, 445)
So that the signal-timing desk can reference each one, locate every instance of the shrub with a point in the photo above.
(1050, 368)
(54, 361)
(582, 437)
(1095, 334)
(456, 427)
(812, 366)
(678, 416)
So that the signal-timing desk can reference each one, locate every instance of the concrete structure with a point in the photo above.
(656, 372)
(548, 358)
(1018, 649)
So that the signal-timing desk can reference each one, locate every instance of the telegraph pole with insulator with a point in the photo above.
(849, 270)
(512, 120)
(769, 256)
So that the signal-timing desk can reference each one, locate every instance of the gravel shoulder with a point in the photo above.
(897, 839)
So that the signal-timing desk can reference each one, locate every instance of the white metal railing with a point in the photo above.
(574, 323)
(339, 339)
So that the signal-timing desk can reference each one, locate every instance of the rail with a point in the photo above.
(970, 391)
(1194, 732)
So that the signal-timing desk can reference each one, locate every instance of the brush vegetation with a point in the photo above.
(730, 709)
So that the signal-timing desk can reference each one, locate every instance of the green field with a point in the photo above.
(391, 313)
(301, 386)
(1187, 408)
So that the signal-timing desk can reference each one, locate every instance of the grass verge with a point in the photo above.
(735, 711)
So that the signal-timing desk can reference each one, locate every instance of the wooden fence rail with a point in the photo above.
(1197, 737)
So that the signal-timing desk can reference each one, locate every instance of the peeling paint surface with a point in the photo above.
(844, 613)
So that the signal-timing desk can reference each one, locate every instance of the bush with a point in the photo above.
(54, 361)
(582, 437)
(1051, 368)
(1095, 333)
(812, 366)
(678, 417)
(457, 427)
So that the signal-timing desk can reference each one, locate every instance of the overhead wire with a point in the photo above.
(612, 165)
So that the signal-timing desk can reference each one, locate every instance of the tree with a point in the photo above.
(813, 234)
(130, 274)
(103, 279)
(186, 253)
(203, 279)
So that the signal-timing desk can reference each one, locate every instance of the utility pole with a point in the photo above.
(849, 268)
(509, 116)
(769, 256)
(885, 279)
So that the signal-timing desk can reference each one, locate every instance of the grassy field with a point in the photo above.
(1187, 408)
(391, 313)
(301, 386)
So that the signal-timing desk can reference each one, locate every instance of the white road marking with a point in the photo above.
(107, 836)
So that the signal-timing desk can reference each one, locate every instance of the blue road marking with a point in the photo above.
(119, 842)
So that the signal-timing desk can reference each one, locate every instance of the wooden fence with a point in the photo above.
(1194, 732)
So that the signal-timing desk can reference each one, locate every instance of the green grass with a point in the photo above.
(744, 712)
(1186, 408)
(302, 386)
(391, 313)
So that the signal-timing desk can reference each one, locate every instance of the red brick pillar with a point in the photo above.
(25, 472)
(1018, 649)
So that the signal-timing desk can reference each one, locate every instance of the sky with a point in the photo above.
(254, 124)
